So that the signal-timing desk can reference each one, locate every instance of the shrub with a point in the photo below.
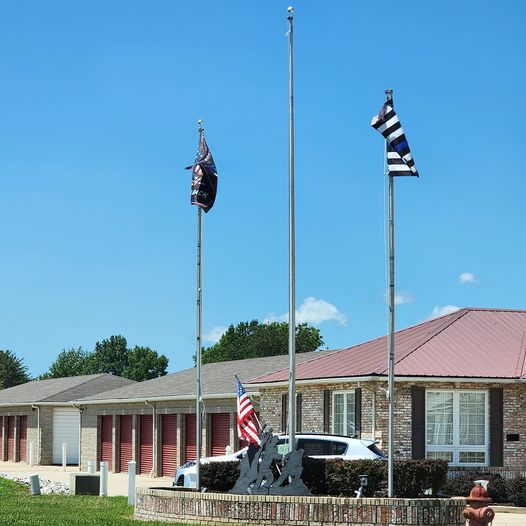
(463, 484)
(412, 478)
(343, 476)
(219, 476)
(339, 477)
(314, 475)
(517, 491)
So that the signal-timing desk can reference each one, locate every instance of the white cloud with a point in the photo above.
(313, 311)
(442, 311)
(403, 298)
(467, 277)
(214, 334)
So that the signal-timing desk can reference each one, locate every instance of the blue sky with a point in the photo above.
(98, 111)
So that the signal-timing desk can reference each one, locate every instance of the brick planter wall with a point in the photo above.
(218, 508)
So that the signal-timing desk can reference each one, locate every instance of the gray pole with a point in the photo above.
(198, 345)
(390, 381)
(292, 255)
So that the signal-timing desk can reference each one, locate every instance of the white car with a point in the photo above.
(313, 445)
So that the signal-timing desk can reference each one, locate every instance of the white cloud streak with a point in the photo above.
(404, 297)
(313, 311)
(214, 334)
(467, 277)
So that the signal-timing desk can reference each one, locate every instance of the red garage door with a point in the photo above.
(125, 442)
(220, 433)
(22, 439)
(190, 452)
(146, 444)
(11, 438)
(106, 440)
(169, 445)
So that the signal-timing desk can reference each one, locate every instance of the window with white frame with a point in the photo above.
(344, 413)
(457, 427)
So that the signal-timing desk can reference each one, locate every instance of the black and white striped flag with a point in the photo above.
(399, 158)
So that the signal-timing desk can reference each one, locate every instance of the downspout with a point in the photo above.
(80, 410)
(153, 472)
(33, 406)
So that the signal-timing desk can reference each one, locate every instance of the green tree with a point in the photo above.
(144, 364)
(73, 362)
(12, 370)
(254, 339)
(110, 356)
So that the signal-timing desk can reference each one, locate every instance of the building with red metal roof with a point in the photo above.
(460, 390)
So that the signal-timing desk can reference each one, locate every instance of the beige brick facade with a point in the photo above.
(374, 394)
(374, 420)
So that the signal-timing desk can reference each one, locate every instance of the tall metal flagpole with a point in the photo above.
(198, 343)
(292, 255)
(390, 380)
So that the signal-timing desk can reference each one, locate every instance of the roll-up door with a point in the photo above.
(190, 451)
(125, 442)
(220, 433)
(106, 440)
(146, 444)
(169, 445)
(11, 438)
(22, 439)
(66, 422)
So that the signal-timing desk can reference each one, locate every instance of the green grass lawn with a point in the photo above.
(19, 507)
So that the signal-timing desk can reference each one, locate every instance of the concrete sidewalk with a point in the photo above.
(118, 485)
(117, 482)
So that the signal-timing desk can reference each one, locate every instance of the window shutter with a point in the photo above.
(496, 443)
(299, 399)
(418, 419)
(284, 403)
(358, 412)
(326, 410)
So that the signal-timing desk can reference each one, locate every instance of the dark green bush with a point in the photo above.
(411, 478)
(340, 477)
(462, 485)
(219, 476)
(343, 476)
(517, 491)
(314, 475)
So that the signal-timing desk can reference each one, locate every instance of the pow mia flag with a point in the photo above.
(204, 176)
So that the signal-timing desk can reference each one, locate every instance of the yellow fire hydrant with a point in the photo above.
(477, 511)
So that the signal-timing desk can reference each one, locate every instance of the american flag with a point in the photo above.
(246, 427)
(399, 158)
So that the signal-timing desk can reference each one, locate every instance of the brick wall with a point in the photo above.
(215, 508)
(374, 394)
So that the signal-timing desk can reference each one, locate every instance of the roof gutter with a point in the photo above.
(383, 378)
(26, 404)
(167, 398)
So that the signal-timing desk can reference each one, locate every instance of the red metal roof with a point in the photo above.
(469, 343)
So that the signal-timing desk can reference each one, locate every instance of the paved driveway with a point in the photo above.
(117, 482)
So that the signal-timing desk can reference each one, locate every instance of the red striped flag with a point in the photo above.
(246, 426)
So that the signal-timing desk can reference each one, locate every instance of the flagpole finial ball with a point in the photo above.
(290, 9)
